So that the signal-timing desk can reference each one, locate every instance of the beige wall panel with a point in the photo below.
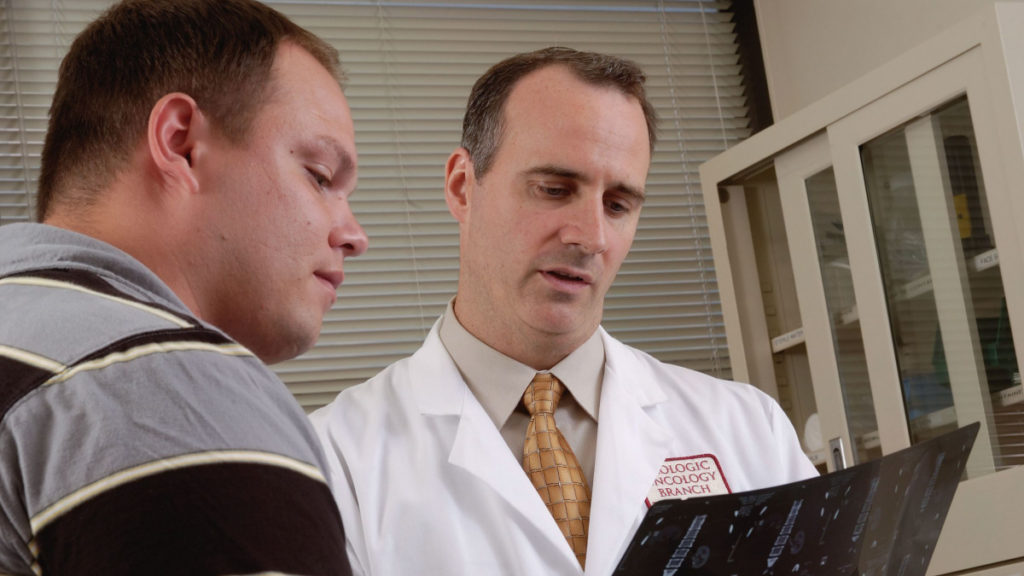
(815, 47)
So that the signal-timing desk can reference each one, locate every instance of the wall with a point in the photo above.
(814, 47)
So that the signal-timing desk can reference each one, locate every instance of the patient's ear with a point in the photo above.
(176, 126)
(459, 180)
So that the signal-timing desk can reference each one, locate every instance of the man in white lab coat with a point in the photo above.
(428, 455)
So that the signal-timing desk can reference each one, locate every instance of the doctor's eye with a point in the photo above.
(622, 204)
(554, 191)
(617, 207)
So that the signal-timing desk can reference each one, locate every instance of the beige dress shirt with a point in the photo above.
(498, 382)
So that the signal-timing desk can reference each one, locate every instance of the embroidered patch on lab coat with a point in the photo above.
(682, 478)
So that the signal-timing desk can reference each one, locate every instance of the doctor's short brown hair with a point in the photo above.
(483, 124)
(219, 52)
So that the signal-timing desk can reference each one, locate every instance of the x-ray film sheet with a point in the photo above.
(878, 518)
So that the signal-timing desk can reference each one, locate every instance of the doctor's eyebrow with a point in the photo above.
(638, 194)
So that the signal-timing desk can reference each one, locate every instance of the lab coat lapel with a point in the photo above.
(478, 447)
(480, 450)
(631, 448)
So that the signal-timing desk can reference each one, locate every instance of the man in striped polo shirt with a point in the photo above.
(194, 219)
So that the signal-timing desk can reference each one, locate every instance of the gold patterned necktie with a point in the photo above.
(552, 466)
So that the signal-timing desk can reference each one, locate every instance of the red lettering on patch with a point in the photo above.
(684, 477)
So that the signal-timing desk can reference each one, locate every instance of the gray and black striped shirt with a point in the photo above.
(135, 439)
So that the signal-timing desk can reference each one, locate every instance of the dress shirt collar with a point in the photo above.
(498, 381)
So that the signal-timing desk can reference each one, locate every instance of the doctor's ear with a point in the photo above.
(459, 180)
(175, 127)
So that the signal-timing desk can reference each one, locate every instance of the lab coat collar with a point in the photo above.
(480, 450)
(438, 387)
(477, 446)
(631, 448)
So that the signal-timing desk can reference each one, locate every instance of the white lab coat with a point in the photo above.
(427, 485)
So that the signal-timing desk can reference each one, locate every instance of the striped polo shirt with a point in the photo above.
(135, 439)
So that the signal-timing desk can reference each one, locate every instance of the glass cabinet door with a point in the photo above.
(940, 267)
(844, 321)
(825, 290)
(777, 358)
(923, 241)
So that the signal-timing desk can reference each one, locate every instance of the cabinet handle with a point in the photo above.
(837, 447)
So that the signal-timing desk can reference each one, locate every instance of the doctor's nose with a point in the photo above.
(586, 227)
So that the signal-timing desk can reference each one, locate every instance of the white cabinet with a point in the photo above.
(872, 273)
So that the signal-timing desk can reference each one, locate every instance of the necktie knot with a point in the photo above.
(543, 394)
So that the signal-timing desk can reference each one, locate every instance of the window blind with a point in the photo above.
(410, 66)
